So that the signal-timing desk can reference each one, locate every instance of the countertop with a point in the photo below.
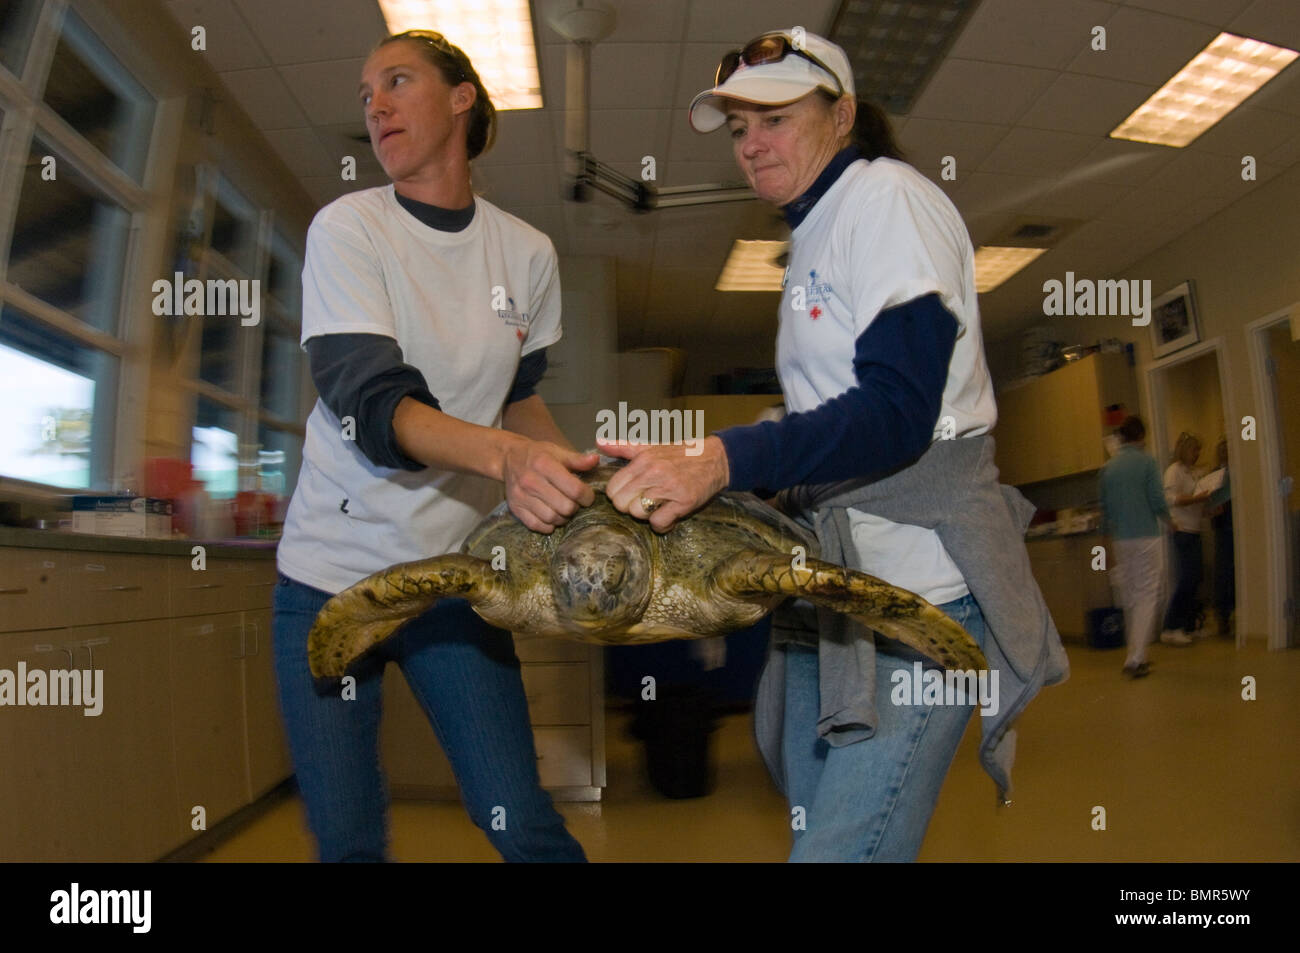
(87, 542)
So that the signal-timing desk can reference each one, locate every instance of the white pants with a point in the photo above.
(1137, 576)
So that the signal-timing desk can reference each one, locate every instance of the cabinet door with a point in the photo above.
(208, 729)
(268, 749)
(34, 588)
(39, 786)
(125, 792)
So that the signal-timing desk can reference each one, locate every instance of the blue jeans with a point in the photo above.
(466, 677)
(871, 800)
(1187, 582)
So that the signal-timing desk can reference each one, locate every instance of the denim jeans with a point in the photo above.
(1182, 610)
(871, 800)
(466, 677)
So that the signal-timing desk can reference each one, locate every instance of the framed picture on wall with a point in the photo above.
(1174, 324)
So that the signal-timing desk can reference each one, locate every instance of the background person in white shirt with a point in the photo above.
(409, 342)
(1185, 510)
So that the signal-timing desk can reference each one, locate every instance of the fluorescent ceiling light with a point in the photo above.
(752, 266)
(497, 36)
(994, 264)
(1213, 84)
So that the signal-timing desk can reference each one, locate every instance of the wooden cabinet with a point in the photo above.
(564, 686)
(189, 714)
(1054, 425)
(1071, 588)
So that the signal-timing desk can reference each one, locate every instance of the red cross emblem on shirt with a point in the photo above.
(815, 313)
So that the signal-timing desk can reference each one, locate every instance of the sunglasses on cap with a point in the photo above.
(768, 48)
(442, 45)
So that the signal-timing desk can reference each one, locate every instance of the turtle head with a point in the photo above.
(601, 576)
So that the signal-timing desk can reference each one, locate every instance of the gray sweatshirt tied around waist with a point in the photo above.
(952, 489)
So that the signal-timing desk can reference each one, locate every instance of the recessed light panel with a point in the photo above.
(995, 264)
(1215, 82)
(497, 36)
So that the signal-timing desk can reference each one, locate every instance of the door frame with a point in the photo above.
(1155, 385)
(1267, 428)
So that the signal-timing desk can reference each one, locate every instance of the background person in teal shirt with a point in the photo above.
(1132, 504)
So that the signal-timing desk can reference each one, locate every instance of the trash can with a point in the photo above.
(675, 729)
(1106, 628)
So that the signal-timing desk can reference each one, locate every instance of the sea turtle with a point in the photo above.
(608, 578)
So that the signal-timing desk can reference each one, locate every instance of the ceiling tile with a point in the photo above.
(1216, 12)
(231, 45)
(1030, 32)
(1246, 131)
(524, 136)
(1037, 152)
(1086, 104)
(925, 142)
(337, 141)
(737, 21)
(265, 98)
(521, 185)
(547, 219)
(1147, 205)
(722, 172)
(635, 21)
(675, 288)
(1197, 174)
(1273, 21)
(981, 92)
(1144, 47)
(1122, 162)
(303, 31)
(327, 91)
(302, 152)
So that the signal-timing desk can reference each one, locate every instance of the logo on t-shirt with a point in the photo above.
(819, 293)
(514, 319)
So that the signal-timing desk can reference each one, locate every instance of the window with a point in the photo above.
(69, 243)
(61, 334)
(17, 21)
(94, 95)
(49, 387)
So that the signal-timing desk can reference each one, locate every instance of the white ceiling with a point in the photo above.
(1021, 101)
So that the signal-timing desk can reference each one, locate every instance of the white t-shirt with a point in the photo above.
(464, 307)
(1180, 480)
(881, 236)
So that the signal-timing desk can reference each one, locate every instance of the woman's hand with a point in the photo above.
(541, 488)
(665, 473)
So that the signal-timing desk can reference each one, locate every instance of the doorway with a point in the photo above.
(1188, 395)
(1275, 359)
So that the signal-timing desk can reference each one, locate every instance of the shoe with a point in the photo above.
(1175, 637)
(1140, 670)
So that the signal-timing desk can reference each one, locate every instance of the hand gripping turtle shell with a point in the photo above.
(608, 578)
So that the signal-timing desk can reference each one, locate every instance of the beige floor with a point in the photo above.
(1185, 768)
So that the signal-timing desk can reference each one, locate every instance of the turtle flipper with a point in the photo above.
(360, 617)
(895, 613)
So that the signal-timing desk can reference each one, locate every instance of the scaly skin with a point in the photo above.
(721, 569)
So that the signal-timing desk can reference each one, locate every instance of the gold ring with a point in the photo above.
(649, 505)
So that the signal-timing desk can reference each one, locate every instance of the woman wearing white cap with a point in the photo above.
(885, 451)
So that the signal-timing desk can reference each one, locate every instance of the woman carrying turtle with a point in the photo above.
(426, 314)
(886, 448)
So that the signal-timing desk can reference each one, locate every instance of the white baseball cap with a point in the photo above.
(803, 63)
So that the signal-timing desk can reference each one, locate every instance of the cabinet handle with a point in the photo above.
(206, 585)
(257, 640)
(96, 567)
(13, 592)
(119, 588)
(89, 646)
(47, 647)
